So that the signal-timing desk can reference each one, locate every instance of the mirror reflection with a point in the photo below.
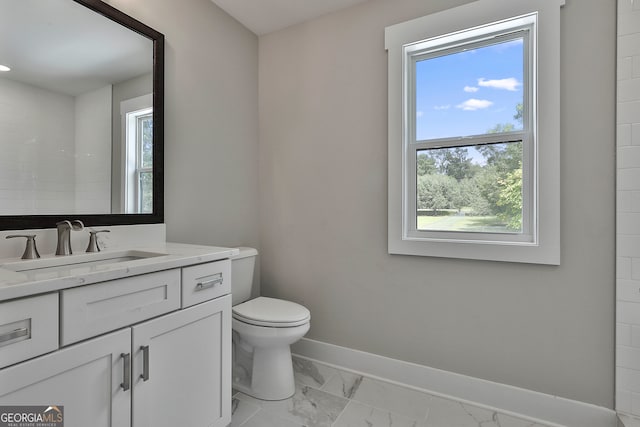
(76, 112)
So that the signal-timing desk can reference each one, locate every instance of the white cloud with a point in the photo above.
(474, 104)
(471, 89)
(419, 113)
(442, 107)
(507, 84)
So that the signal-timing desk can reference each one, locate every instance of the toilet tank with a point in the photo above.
(242, 270)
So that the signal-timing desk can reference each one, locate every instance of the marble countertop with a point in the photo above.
(21, 278)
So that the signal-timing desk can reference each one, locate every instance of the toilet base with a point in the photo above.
(262, 362)
(272, 375)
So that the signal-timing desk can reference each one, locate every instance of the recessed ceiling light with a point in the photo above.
(4, 68)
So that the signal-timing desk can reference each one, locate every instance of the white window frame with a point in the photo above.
(136, 184)
(477, 21)
(130, 111)
(521, 27)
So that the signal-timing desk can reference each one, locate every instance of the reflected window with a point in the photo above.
(138, 160)
(144, 162)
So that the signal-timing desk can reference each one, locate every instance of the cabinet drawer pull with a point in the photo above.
(126, 376)
(145, 362)
(22, 332)
(217, 280)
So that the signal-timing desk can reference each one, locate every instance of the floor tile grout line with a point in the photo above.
(343, 411)
(350, 402)
(378, 378)
(334, 423)
(352, 399)
(327, 381)
(319, 389)
(248, 403)
(277, 414)
(431, 393)
(387, 410)
(384, 410)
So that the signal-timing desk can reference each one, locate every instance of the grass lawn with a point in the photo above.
(489, 224)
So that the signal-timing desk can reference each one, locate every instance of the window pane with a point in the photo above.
(145, 126)
(146, 192)
(470, 92)
(470, 189)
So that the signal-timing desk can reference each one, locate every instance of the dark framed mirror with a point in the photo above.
(81, 115)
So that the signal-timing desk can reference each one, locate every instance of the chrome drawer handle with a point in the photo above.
(145, 362)
(126, 374)
(217, 280)
(22, 332)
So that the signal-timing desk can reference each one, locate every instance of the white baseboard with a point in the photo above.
(554, 409)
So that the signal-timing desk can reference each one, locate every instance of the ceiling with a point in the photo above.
(266, 16)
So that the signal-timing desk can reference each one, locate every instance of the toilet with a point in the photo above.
(263, 331)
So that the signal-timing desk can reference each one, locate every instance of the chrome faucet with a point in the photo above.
(64, 235)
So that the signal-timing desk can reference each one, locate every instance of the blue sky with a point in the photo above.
(468, 93)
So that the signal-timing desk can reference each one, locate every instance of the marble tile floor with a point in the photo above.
(330, 397)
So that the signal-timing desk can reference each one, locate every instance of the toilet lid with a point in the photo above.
(263, 311)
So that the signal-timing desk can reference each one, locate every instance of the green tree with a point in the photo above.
(509, 127)
(435, 192)
(454, 162)
(503, 168)
(463, 193)
(500, 182)
(519, 112)
(499, 128)
(425, 164)
(487, 183)
(510, 199)
(447, 178)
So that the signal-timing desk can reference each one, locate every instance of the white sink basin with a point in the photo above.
(68, 265)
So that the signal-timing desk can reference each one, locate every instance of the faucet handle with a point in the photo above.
(93, 240)
(30, 251)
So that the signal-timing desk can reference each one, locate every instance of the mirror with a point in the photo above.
(81, 115)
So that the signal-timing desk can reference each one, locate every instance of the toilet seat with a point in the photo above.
(271, 312)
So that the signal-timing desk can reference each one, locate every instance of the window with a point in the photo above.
(470, 143)
(141, 123)
(137, 115)
(473, 121)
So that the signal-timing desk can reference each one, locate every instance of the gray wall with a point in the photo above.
(211, 121)
(323, 222)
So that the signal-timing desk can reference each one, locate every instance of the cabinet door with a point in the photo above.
(85, 378)
(182, 368)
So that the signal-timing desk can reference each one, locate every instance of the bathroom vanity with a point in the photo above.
(135, 336)
(120, 338)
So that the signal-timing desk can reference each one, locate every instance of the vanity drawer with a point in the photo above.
(28, 328)
(91, 310)
(205, 281)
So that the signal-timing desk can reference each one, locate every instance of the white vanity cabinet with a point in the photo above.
(181, 373)
(170, 370)
(85, 378)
